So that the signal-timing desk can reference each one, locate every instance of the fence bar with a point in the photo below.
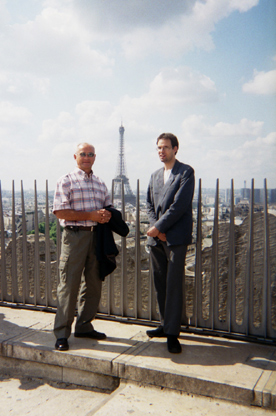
(47, 252)
(25, 280)
(266, 322)
(113, 309)
(14, 286)
(249, 289)
(214, 275)
(198, 263)
(267, 298)
(138, 308)
(154, 310)
(124, 283)
(231, 284)
(3, 254)
(253, 329)
(36, 253)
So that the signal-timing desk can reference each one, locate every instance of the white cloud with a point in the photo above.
(120, 16)
(263, 83)
(81, 30)
(54, 40)
(181, 85)
(85, 36)
(93, 113)
(226, 150)
(195, 126)
(61, 129)
(171, 88)
(22, 85)
(90, 121)
(244, 128)
(4, 15)
(176, 35)
(255, 158)
(11, 115)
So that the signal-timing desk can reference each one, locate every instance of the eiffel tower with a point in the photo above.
(121, 174)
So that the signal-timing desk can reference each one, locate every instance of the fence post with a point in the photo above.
(3, 251)
(25, 277)
(231, 298)
(198, 261)
(14, 251)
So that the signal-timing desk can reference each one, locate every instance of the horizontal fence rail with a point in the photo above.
(229, 286)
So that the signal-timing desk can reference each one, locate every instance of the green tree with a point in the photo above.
(52, 230)
(41, 227)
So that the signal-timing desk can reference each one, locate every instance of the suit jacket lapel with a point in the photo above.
(160, 179)
(165, 187)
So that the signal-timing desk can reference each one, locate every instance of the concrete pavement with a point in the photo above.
(34, 397)
(128, 373)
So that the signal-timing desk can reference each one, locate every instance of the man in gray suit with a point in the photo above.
(169, 204)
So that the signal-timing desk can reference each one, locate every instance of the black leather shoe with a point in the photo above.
(62, 344)
(173, 344)
(91, 334)
(158, 332)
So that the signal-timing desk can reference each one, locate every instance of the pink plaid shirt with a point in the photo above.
(80, 192)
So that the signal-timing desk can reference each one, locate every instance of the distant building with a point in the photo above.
(272, 196)
(245, 193)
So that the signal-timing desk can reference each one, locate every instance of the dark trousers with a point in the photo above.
(168, 264)
(79, 280)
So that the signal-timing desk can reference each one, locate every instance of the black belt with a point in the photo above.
(81, 228)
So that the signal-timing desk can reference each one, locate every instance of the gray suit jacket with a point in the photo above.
(170, 206)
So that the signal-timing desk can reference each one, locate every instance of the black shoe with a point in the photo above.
(158, 332)
(62, 344)
(173, 344)
(91, 334)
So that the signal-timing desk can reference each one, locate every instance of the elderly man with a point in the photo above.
(78, 203)
(169, 203)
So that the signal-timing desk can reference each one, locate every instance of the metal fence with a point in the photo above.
(229, 288)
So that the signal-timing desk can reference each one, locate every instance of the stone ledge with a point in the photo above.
(236, 371)
(90, 372)
(20, 367)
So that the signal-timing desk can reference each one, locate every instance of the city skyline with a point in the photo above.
(74, 71)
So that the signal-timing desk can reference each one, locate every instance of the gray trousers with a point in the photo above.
(79, 279)
(168, 270)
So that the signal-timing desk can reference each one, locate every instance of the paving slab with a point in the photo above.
(15, 322)
(137, 400)
(33, 397)
(210, 366)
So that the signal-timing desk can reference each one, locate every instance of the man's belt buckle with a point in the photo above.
(73, 227)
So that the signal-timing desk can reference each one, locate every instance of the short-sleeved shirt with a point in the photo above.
(81, 192)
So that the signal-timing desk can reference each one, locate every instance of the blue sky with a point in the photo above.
(72, 70)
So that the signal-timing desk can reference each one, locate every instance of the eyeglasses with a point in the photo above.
(160, 148)
(89, 154)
